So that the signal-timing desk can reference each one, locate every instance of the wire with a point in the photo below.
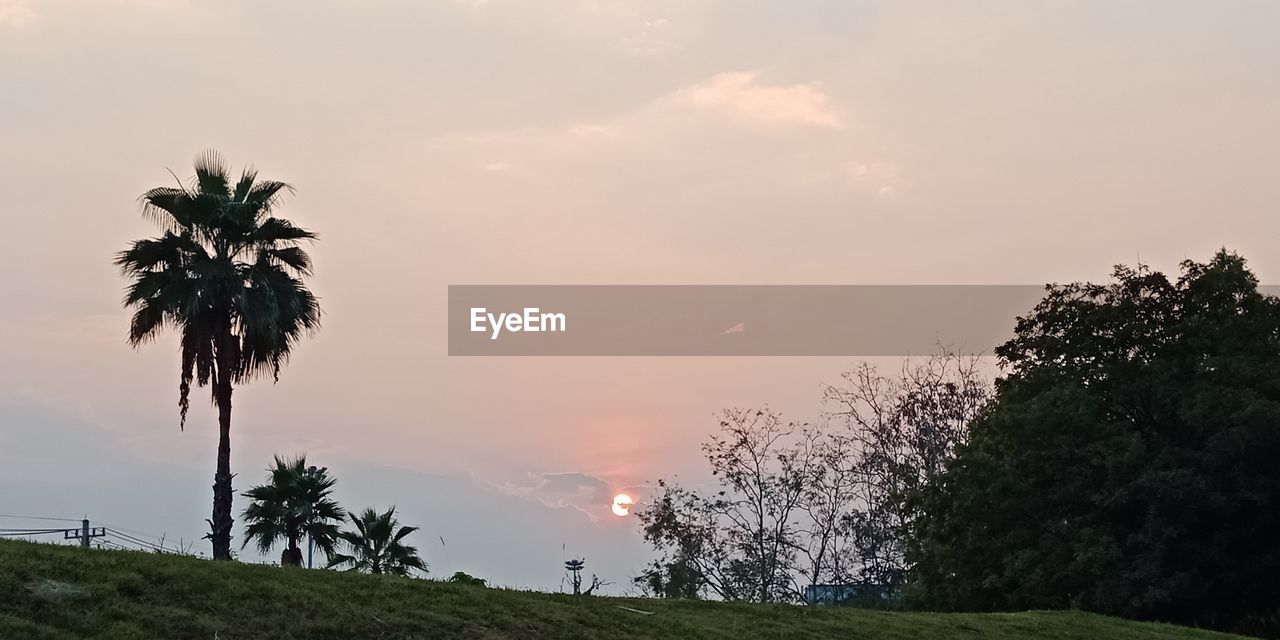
(138, 541)
(6, 515)
(127, 546)
(133, 539)
(125, 536)
(113, 545)
(130, 531)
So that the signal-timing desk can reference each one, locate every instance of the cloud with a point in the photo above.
(734, 129)
(882, 176)
(16, 13)
(742, 96)
(585, 492)
(564, 489)
(653, 38)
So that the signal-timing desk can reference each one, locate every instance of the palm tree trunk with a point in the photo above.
(292, 555)
(221, 522)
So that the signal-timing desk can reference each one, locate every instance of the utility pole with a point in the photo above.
(84, 533)
(314, 472)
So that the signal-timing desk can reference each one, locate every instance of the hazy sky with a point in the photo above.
(574, 142)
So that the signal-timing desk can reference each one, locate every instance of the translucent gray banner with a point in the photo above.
(727, 320)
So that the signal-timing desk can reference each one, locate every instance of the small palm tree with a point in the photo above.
(295, 502)
(227, 275)
(376, 546)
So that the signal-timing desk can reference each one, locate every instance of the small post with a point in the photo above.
(84, 533)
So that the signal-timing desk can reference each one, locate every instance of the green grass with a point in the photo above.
(54, 592)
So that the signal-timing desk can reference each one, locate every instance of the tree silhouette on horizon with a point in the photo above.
(294, 503)
(227, 275)
(377, 545)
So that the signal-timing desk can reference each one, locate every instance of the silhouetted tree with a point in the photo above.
(1128, 463)
(682, 525)
(899, 433)
(799, 504)
(742, 539)
(675, 577)
(227, 275)
(293, 504)
(376, 546)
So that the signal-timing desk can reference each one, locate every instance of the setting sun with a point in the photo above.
(622, 504)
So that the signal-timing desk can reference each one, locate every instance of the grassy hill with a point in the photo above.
(54, 592)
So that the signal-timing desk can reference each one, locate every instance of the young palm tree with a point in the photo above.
(375, 546)
(294, 503)
(228, 277)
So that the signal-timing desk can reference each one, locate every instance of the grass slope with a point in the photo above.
(55, 592)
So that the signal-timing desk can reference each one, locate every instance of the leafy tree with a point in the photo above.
(682, 525)
(801, 505)
(227, 275)
(676, 577)
(741, 540)
(900, 431)
(376, 546)
(293, 504)
(1127, 465)
(460, 577)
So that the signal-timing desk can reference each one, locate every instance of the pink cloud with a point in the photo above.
(741, 95)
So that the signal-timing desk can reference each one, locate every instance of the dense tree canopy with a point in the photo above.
(1128, 464)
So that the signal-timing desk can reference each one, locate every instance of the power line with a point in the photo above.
(130, 538)
(138, 541)
(127, 545)
(112, 545)
(130, 531)
(154, 546)
(6, 515)
(29, 532)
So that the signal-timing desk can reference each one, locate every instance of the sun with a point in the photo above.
(622, 504)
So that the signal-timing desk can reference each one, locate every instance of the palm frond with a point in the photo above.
(264, 196)
(148, 319)
(211, 174)
(295, 258)
(272, 230)
(245, 184)
(168, 251)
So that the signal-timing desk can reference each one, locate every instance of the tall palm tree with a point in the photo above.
(227, 275)
(376, 546)
(294, 503)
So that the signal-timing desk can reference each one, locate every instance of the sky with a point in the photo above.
(573, 142)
